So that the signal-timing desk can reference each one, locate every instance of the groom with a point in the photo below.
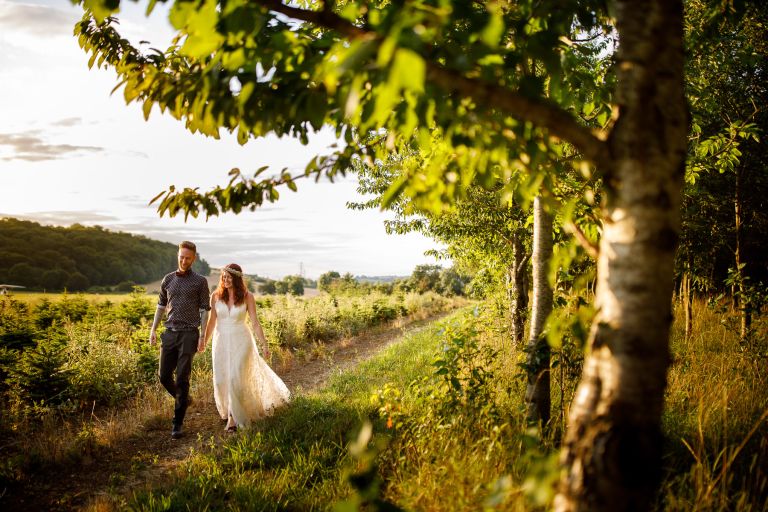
(184, 294)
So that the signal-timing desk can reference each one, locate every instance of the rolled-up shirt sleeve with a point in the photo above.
(162, 299)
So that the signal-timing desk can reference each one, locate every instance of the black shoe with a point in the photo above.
(176, 432)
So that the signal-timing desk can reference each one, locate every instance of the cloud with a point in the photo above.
(31, 147)
(68, 122)
(66, 218)
(38, 20)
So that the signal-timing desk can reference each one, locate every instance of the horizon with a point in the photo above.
(74, 153)
(215, 268)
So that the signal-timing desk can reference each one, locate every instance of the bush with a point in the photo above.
(136, 309)
(125, 286)
(40, 375)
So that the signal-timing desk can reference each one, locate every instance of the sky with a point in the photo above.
(73, 152)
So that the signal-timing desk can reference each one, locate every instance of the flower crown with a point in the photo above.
(232, 271)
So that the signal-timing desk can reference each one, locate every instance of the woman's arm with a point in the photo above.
(210, 326)
(255, 325)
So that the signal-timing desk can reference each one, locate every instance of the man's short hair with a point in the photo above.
(188, 245)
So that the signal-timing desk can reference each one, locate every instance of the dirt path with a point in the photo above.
(149, 456)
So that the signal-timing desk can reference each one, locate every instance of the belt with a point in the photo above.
(181, 330)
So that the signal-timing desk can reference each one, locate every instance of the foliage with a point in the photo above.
(726, 88)
(290, 284)
(15, 330)
(137, 309)
(295, 322)
(78, 257)
(404, 71)
(40, 376)
(325, 280)
(106, 367)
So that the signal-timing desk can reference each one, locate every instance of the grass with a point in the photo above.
(34, 298)
(428, 452)
(298, 459)
(715, 416)
(112, 391)
(437, 447)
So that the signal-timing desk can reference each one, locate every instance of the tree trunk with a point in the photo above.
(686, 295)
(744, 304)
(517, 286)
(537, 393)
(612, 451)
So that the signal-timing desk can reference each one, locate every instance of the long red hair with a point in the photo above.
(238, 285)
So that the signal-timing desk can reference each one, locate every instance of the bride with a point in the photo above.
(244, 386)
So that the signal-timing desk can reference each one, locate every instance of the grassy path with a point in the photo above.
(147, 456)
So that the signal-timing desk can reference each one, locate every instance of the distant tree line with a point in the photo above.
(424, 278)
(79, 258)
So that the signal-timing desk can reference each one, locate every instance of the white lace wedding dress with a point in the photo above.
(244, 386)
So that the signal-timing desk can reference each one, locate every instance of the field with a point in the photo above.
(434, 422)
(68, 359)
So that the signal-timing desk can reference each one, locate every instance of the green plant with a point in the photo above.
(40, 376)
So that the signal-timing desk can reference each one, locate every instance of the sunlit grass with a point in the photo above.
(715, 418)
(298, 459)
(473, 459)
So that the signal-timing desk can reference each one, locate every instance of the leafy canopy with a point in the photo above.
(499, 84)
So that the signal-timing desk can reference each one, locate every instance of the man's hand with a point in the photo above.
(152, 337)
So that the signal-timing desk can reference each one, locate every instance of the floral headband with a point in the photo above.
(232, 271)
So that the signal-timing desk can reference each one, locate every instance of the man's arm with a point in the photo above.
(155, 322)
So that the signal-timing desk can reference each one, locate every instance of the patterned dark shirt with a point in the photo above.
(183, 296)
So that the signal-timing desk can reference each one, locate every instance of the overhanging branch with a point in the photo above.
(538, 111)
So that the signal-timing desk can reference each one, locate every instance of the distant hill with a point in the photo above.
(79, 258)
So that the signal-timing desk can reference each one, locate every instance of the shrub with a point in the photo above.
(40, 375)
(104, 365)
(136, 309)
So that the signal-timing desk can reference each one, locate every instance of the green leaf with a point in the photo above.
(102, 8)
(408, 70)
(146, 108)
(493, 31)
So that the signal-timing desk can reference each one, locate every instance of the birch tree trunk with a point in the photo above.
(517, 276)
(612, 452)
(537, 393)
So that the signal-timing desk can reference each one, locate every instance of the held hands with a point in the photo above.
(201, 344)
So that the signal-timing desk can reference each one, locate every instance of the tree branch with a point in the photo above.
(325, 18)
(538, 111)
(591, 249)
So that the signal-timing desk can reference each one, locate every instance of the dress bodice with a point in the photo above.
(230, 317)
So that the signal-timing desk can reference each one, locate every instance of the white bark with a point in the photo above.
(612, 451)
(537, 394)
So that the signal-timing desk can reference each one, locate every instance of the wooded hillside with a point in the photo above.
(78, 258)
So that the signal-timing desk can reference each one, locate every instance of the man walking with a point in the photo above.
(184, 295)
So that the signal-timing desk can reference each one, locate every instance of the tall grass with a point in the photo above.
(298, 459)
(715, 416)
(448, 432)
(84, 376)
